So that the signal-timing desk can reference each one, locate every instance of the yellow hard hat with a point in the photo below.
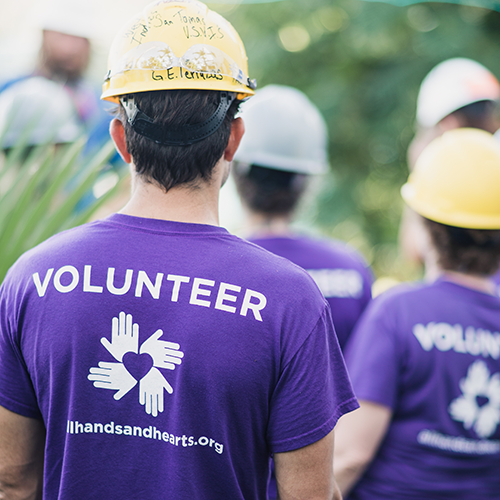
(456, 180)
(177, 44)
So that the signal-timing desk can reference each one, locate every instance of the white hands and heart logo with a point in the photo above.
(479, 405)
(136, 364)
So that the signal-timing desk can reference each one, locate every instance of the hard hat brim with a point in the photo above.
(447, 214)
(135, 81)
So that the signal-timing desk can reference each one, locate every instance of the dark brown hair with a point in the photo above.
(480, 114)
(170, 166)
(470, 251)
(269, 191)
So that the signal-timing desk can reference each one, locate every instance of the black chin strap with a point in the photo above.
(181, 136)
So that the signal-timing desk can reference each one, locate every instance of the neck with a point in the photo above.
(198, 204)
(262, 225)
(480, 283)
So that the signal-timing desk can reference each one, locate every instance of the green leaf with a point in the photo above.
(42, 187)
(39, 211)
(66, 208)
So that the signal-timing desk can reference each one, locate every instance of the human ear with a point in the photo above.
(237, 131)
(117, 133)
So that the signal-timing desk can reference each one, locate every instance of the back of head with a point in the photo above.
(178, 71)
(480, 114)
(453, 85)
(285, 140)
(455, 186)
(37, 111)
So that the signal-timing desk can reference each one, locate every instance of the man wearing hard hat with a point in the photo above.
(284, 145)
(425, 358)
(152, 354)
(67, 31)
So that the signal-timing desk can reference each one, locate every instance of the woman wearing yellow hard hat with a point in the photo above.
(457, 93)
(425, 358)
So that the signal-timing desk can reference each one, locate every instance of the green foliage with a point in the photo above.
(41, 188)
(487, 4)
(362, 64)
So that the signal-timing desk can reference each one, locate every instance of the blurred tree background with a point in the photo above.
(362, 63)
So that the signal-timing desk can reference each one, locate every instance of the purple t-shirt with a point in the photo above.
(496, 279)
(431, 353)
(166, 360)
(341, 274)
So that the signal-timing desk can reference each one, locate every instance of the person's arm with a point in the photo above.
(22, 442)
(358, 436)
(306, 473)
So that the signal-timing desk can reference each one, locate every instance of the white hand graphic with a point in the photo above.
(487, 421)
(112, 376)
(151, 391)
(165, 354)
(483, 418)
(124, 336)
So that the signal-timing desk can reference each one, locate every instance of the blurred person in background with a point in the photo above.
(425, 358)
(37, 111)
(67, 28)
(458, 92)
(284, 146)
(66, 47)
(152, 354)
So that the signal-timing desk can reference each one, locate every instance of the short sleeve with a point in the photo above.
(367, 287)
(372, 356)
(312, 393)
(16, 389)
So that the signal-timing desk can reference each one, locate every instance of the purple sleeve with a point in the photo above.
(368, 283)
(16, 389)
(372, 357)
(312, 393)
(366, 297)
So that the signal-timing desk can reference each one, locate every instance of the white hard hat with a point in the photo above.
(451, 85)
(42, 106)
(497, 135)
(71, 17)
(283, 131)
